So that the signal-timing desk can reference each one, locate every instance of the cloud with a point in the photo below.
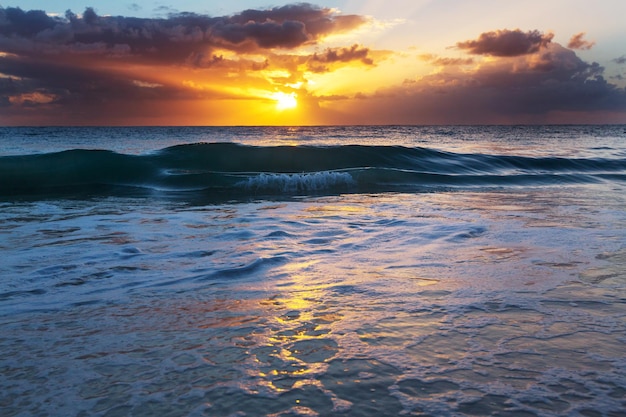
(444, 61)
(16, 22)
(61, 93)
(317, 62)
(70, 84)
(173, 38)
(186, 66)
(344, 55)
(621, 60)
(577, 42)
(506, 43)
(311, 22)
(99, 64)
(541, 87)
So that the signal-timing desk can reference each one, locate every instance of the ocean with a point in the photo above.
(313, 271)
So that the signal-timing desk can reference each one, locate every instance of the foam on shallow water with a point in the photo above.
(499, 303)
(290, 183)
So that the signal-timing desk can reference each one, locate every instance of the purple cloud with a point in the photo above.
(506, 43)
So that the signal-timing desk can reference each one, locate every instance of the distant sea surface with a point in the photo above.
(313, 271)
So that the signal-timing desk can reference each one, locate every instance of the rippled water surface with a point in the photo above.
(496, 300)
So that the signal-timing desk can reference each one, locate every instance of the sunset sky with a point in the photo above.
(136, 62)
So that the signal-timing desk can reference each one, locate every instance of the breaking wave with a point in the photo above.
(229, 170)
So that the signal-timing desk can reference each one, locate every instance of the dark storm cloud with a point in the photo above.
(577, 42)
(506, 43)
(170, 39)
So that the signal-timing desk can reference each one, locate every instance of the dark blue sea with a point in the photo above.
(313, 271)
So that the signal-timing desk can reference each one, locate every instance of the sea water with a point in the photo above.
(313, 271)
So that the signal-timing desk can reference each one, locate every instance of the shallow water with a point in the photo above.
(503, 301)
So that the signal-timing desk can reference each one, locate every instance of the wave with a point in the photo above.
(229, 170)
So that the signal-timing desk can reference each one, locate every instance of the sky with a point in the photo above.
(335, 62)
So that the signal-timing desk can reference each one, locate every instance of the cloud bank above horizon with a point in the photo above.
(194, 69)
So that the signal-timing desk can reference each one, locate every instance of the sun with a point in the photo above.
(285, 101)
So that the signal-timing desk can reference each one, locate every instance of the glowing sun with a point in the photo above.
(285, 101)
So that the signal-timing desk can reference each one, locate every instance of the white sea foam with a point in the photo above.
(290, 183)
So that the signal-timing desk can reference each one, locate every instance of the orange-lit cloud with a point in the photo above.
(321, 62)
(282, 65)
(446, 61)
(528, 79)
(99, 69)
(577, 42)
